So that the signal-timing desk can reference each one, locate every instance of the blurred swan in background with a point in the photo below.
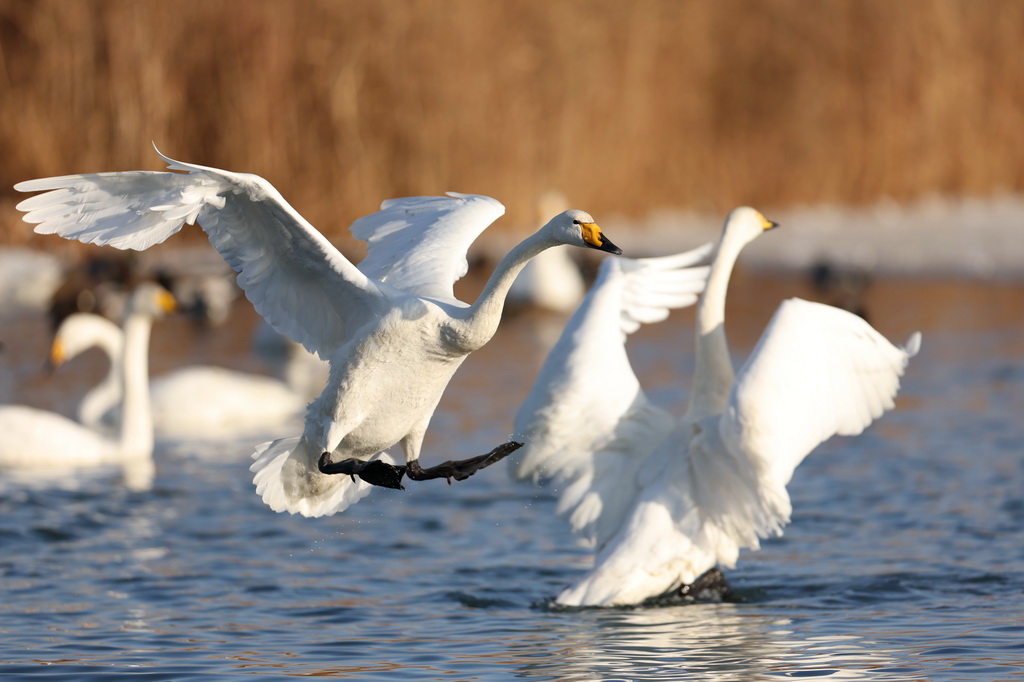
(204, 401)
(36, 440)
(28, 278)
(189, 403)
(392, 328)
(302, 371)
(78, 333)
(552, 280)
(667, 499)
(202, 283)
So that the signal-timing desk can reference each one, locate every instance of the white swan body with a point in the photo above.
(33, 439)
(392, 329)
(204, 401)
(192, 402)
(665, 498)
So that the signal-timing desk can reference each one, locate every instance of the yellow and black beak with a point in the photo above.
(595, 239)
(768, 224)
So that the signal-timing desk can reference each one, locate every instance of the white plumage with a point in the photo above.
(392, 329)
(37, 440)
(667, 498)
(78, 333)
(191, 402)
(28, 279)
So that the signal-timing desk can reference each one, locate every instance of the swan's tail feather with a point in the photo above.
(287, 478)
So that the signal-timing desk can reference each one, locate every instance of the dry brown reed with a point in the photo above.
(625, 106)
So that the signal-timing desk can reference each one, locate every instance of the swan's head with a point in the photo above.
(151, 300)
(746, 224)
(578, 228)
(81, 331)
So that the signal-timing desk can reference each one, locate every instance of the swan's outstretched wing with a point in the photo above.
(817, 371)
(294, 277)
(586, 422)
(419, 244)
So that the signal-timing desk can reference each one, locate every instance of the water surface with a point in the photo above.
(904, 559)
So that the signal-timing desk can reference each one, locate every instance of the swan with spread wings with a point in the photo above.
(392, 329)
(665, 498)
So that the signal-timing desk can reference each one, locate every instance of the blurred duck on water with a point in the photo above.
(392, 329)
(667, 499)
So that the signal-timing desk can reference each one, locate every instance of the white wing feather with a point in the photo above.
(289, 271)
(586, 422)
(419, 244)
(817, 371)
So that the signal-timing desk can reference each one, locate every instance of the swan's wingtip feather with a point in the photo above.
(163, 156)
(171, 163)
(28, 186)
(913, 345)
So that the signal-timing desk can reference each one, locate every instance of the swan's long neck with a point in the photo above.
(478, 323)
(136, 416)
(107, 394)
(713, 374)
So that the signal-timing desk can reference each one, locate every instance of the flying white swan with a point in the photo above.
(33, 439)
(666, 499)
(192, 402)
(392, 329)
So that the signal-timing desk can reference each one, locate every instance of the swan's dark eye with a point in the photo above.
(575, 222)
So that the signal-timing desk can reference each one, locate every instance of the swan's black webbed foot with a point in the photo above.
(711, 585)
(462, 469)
(373, 472)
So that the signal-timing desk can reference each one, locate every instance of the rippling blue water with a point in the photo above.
(904, 560)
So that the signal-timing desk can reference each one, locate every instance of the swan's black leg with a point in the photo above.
(373, 472)
(710, 584)
(462, 469)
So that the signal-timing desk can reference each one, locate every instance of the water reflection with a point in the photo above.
(702, 641)
(902, 561)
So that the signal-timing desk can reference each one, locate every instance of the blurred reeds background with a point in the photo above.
(626, 107)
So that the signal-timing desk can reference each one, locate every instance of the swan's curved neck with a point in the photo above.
(479, 321)
(108, 392)
(136, 417)
(713, 374)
